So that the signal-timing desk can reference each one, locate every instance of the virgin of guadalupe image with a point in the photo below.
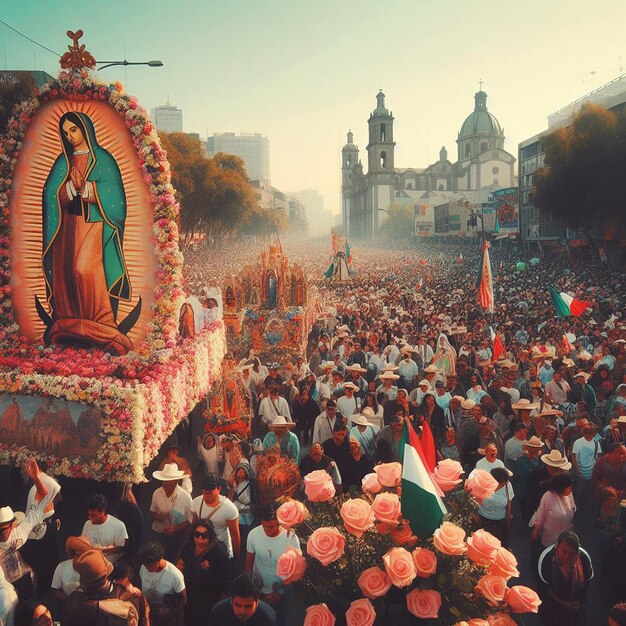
(84, 213)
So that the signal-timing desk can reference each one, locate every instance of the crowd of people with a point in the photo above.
(403, 343)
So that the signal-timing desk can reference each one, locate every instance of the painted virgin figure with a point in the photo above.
(84, 213)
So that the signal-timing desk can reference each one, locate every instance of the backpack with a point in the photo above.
(119, 612)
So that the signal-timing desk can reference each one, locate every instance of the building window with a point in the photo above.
(440, 188)
(468, 150)
(383, 159)
(495, 170)
(409, 185)
(383, 133)
(484, 146)
(348, 162)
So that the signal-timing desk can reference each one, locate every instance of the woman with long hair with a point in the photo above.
(203, 561)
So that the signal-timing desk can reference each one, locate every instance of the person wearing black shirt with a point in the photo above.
(357, 465)
(338, 447)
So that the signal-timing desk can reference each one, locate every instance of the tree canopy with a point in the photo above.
(15, 88)
(399, 224)
(584, 162)
(215, 194)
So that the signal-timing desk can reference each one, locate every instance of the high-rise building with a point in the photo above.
(252, 148)
(167, 118)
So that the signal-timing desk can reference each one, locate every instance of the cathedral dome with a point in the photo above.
(480, 121)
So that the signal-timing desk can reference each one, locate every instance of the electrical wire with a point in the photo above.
(29, 39)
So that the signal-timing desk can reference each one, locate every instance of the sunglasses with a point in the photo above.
(201, 535)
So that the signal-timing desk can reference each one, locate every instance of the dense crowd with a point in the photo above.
(402, 343)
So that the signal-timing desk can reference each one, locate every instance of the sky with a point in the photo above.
(304, 72)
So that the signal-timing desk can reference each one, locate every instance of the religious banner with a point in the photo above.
(506, 205)
(94, 368)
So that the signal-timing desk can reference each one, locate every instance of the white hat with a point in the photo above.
(533, 442)
(468, 404)
(431, 369)
(556, 459)
(389, 367)
(388, 376)
(423, 382)
(525, 404)
(368, 412)
(7, 515)
(170, 471)
(355, 367)
(350, 385)
(360, 419)
(281, 421)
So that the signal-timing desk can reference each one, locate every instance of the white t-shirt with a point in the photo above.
(346, 406)
(66, 577)
(266, 551)
(485, 465)
(38, 532)
(178, 506)
(156, 584)
(586, 454)
(227, 512)
(111, 533)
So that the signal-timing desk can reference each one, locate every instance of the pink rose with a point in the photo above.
(492, 588)
(448, 538)
(423, 604)
(425, 562)
(318, 486)
(476, 621)
(326, 545)
(400, 567)
(500, 619)
(522, 599)
(291, 513)
(374, 582)
(386, 508)
(482, 547)
(447, 474)
(505, 564)
(318, 615)
(291, 565)
(370, 483)
(389, 474)
(481, 484)
(357, 516)
(360, 613)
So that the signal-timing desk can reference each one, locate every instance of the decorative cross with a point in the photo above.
(480, 82)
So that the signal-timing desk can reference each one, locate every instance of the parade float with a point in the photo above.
(338, 270)
(94, 374)
(268, 307)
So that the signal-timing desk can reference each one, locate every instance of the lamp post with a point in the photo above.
(106, 64)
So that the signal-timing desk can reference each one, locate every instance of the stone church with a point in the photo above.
(482, 164)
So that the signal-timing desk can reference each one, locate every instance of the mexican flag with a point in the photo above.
(348, 253)
(420, 503)
(565, 305)
(485, 281)
(460, 259)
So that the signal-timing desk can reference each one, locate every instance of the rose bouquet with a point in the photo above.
(361, 563)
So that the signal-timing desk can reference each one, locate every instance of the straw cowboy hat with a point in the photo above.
(431, 369)
(525, 405)
(367, 412)
(388, 376)
(568, 362)
(582, 375)
(7, 516)
(389, 367)
(423, 383)
(281, 422)
(361, 419)
(556, 459)
(350, 385)
(549, 413)
(468, 405)
(533, 442)
(355, 367)
(170, 471)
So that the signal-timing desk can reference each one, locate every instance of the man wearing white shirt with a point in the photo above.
(424, 351)
(325, 422)
(556, 390)
(273, 405)
(346, 404)
(104, 531)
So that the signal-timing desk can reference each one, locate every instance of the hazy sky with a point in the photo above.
(303, 72)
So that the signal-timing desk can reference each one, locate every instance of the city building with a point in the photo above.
(538, 228)
(482, 163)
(252, 148)
(167, 118)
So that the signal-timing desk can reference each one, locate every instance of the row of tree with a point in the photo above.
(215, 194)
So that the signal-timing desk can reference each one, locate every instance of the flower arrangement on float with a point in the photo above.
(361, 564)
(144, 394)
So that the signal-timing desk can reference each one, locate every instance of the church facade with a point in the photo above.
(482, 163)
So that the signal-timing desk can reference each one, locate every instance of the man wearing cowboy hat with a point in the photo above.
(524, 465)
(273, 405)
(364, 432)
(407, 369)
(280, 435)
(539, 478)
(88, 605)
(356, 373)
(170, 509)
(346, 404)
(15, 529)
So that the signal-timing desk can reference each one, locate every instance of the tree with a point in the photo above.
(399, 224)
(584, 162)
(215, 195)
(14, 88)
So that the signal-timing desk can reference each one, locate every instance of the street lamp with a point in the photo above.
(125, 62)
